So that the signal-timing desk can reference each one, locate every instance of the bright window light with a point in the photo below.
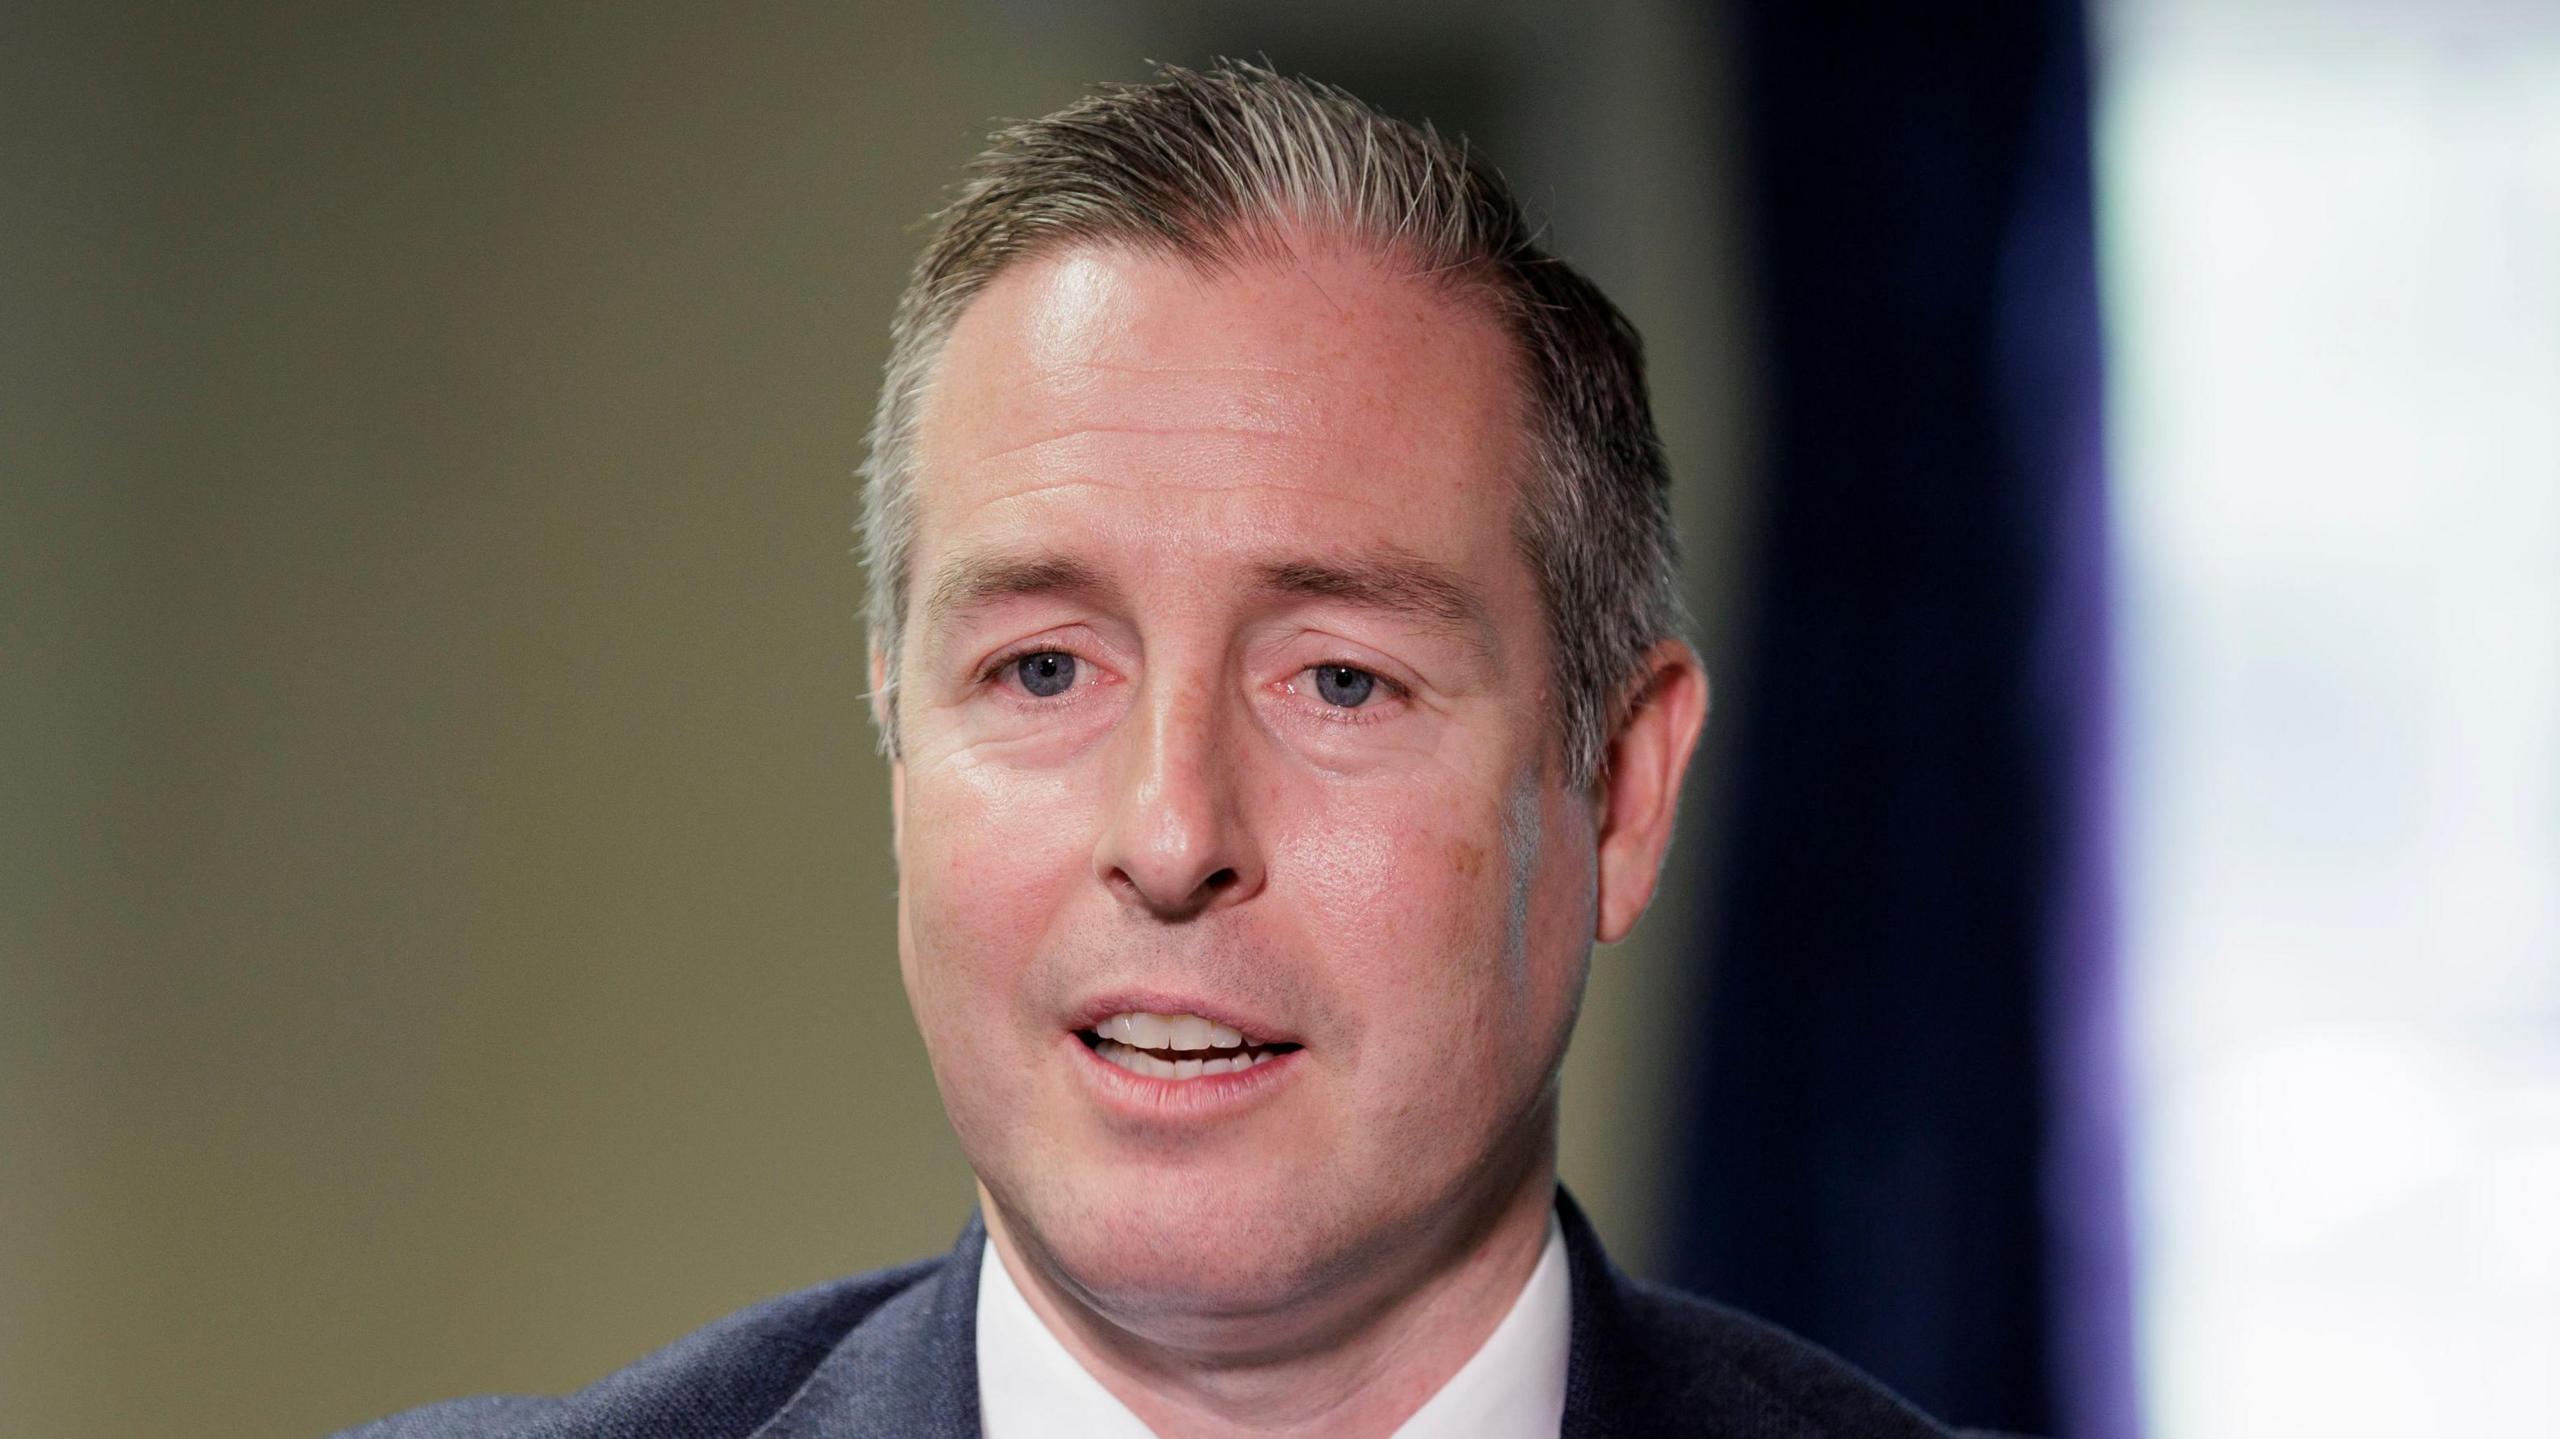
(2333, 265)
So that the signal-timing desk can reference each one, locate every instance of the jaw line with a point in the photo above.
(1430, 1240)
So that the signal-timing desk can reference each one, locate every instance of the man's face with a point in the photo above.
(1225, 694)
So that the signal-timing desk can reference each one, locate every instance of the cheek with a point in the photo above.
(1459, 923)
(1415, 899)
(1556, 883)
(988, 859)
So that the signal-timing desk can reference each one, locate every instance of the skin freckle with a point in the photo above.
(1466, 859)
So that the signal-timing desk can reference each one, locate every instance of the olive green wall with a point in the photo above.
(445, 943)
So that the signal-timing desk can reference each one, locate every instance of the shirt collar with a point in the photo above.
(1510, 1388)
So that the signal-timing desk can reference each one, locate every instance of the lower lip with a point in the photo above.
(1207, 1096)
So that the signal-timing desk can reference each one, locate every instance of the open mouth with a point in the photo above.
(1177, 1046)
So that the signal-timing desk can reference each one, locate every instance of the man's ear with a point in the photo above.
(1640, 783)
(880, 716)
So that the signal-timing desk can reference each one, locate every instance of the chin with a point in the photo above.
(1199, 1246)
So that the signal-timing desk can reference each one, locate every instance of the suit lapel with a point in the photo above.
(1602, 1398)
(910, 1369)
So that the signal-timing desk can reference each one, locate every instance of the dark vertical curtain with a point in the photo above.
(1903, 1137)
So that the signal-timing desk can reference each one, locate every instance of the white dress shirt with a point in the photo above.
(1030, 1387)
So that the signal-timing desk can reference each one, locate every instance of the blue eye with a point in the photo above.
(1344, 686)
(1047, 673)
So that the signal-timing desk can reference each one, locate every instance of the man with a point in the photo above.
(1275, 645)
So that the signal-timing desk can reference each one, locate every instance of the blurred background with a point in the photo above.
(2109, 980)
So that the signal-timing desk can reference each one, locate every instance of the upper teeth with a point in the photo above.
(1169, 1031)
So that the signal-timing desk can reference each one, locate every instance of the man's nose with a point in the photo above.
(1178, 842)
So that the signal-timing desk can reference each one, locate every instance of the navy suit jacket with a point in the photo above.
(894, 1353)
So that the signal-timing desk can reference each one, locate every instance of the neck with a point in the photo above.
(1375, 1356)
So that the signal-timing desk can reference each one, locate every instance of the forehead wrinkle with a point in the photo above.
(1073, 431)
(1239, 367)
(1160, 486)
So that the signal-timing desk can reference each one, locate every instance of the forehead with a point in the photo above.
(1105, 389)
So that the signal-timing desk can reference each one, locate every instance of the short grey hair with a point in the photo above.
(1218, 168)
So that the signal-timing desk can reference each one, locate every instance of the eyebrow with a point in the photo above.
(1384, 579)
(1393, 581)
(970, 581)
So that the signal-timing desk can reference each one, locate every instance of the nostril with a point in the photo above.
(1169, 900)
